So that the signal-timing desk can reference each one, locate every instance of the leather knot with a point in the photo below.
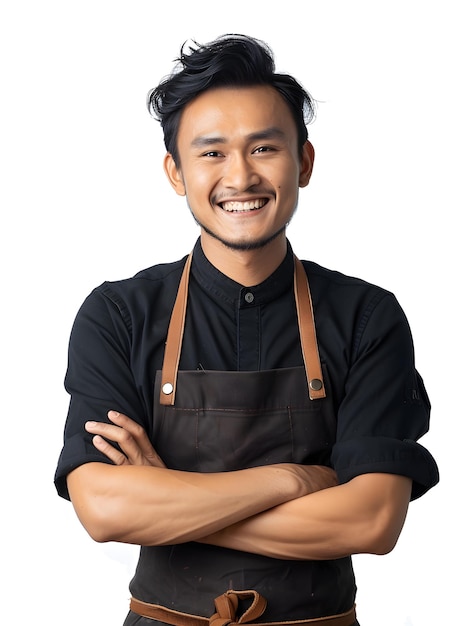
(228, 603)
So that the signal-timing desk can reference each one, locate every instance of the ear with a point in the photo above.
(307, 163)
(174, 175)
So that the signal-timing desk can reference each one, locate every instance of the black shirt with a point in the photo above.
(119, 334)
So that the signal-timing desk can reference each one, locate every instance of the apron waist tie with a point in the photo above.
(226, 607)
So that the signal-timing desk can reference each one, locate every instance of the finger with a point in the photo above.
(129, 447)
(139, 435)
(134, 442)
(110, 451)
(132, 427)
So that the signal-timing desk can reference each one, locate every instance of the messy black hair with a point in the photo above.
(229, 61)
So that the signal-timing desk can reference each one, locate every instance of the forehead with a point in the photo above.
(236, 112)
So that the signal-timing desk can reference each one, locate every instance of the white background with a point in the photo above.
(84, 199)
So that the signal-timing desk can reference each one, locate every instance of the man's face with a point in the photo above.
(240, 167)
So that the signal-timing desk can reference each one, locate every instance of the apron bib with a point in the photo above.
(213, 421)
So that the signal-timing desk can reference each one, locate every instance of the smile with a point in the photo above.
(243, 207)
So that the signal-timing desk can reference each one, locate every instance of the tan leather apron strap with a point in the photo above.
(307, 332)
(226, 606)
(228, 603)
(173, 346)
(168, 616)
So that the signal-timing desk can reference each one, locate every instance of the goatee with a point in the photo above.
(255, 244)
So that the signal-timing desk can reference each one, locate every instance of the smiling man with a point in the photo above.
(240, 166)
(250, 420)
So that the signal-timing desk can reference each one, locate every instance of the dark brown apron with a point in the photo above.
(213, 421)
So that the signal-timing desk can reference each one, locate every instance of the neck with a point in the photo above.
(246, 267)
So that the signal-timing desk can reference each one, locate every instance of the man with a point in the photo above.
(263, 414)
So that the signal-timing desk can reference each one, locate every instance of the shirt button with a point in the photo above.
(249, 297)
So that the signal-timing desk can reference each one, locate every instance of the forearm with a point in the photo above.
(365, 515)
(152, 505)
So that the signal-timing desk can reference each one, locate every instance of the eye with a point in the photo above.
(212, 154)
(262, 149)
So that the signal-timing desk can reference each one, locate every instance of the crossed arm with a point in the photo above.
(285, 511)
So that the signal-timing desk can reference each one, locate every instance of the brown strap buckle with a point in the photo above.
(227, 604)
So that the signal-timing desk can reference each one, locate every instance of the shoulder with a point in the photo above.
(147, 283)
(328, 284)
(160, 272)
(147, 280)
(354, 307)
(149, 292)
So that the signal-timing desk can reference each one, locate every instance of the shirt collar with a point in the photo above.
(221, 287)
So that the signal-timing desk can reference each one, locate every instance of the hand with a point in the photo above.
(314, 477)
(136, 448)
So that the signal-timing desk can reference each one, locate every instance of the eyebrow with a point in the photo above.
(273, 132)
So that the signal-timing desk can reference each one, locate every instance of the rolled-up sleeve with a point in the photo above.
(385, 409)
(98, 379)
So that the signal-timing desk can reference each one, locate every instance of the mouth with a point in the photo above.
(243, 207)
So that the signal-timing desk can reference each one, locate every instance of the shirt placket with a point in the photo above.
(248, 331)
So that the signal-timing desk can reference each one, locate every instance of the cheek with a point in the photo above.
(288, 180)
(202, 182)
(288, 185)
(199, 192)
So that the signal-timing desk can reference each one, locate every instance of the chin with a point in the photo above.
(244, 244)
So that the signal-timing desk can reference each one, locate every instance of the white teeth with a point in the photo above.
(243, 206)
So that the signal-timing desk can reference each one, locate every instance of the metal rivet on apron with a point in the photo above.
(167, 388)
(315, 384)
(249, 297)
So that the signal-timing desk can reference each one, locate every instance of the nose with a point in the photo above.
(240, 172)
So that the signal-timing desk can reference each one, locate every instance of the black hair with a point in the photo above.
(229, 61)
